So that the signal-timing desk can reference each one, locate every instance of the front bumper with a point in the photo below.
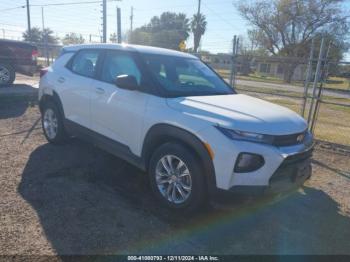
(284, 167)
(291, 174)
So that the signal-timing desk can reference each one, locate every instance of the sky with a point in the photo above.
(223, 20)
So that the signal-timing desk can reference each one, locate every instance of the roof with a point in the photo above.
(16, 42)
(137, 48)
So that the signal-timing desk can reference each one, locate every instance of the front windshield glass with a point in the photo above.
(180, 76)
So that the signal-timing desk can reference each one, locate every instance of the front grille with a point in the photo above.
(289, 140)
(298, 157)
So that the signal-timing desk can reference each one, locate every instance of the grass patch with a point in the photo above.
(332, 82)
(268, 79)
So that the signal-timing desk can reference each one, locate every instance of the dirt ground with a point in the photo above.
(77, 199)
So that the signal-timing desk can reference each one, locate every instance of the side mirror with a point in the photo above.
(128, 82)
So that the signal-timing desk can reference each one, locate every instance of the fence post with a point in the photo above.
(323, 79)
(233, 60)
(316, 79)
(308, 76)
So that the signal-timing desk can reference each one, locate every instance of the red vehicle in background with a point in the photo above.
(16, 56)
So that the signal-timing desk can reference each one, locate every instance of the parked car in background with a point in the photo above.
(169, 114)
(16, 56)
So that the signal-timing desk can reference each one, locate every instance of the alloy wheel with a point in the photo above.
(173, 179)
(50, 123)
(4, 75)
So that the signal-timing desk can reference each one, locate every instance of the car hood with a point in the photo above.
(241, 112)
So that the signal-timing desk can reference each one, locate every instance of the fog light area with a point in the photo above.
(248, 162)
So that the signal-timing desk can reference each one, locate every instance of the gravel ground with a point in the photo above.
(77, 199)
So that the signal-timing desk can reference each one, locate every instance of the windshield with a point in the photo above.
(180, 76)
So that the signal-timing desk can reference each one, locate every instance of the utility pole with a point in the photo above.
(199, 8)
(237, 46)
(197, 33)
(104, 12)
(28, 20)
(119, 30)
(131, 18)
(44, 36)
(234, 49)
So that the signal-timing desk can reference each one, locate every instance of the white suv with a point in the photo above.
(171, 115)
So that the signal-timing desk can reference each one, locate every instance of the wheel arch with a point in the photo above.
(163, 133)
(54, 97)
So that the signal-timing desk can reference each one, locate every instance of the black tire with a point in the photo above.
(198, 196)
(61, 136)
(10, 72)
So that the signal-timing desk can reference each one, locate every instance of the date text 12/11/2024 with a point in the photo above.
(173, 258)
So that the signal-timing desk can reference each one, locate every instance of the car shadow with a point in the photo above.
(89, 202)
(15, 100)
(11, 107)
(18, 88)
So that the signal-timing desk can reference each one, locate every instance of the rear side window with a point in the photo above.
(119, 63)
(85, 63)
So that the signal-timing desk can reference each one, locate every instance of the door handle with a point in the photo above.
(100, 90)
(61, 79)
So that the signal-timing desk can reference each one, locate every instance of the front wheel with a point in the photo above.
(176, 177)
(52, 124)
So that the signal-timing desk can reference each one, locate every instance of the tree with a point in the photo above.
(37, 36)
(73, 39)
(48, 33)
(198, 27)
(113, 38)
(167, 30)
(140, 37)
(286, 27)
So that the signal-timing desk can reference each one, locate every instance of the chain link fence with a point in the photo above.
(47, 54)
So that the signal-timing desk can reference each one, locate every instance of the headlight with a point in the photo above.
(246, 136)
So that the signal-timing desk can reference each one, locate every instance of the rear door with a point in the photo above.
(74, 85)
(115, 112)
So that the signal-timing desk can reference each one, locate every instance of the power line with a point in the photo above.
(218, 15)
(12, 8)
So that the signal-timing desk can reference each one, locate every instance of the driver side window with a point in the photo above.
(190, 75)
(118, 63)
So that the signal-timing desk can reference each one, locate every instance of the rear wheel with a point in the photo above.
(176, 177)
(7, 74)
(52, 124)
